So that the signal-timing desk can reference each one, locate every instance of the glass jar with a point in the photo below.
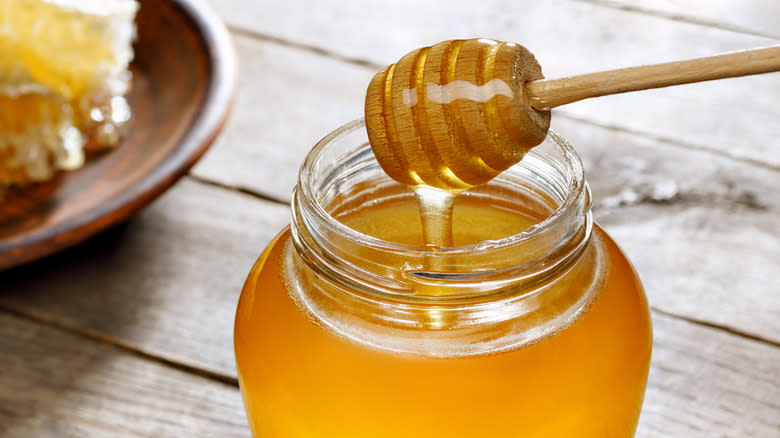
(536, 325)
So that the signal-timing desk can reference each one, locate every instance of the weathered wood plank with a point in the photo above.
(756, 16)
(167, 282)
(705, 383)
(701, 230)
(734, 116)
(382, 31)
(55, 384)
(287, 101)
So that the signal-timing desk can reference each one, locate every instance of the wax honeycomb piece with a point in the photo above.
(63, 74)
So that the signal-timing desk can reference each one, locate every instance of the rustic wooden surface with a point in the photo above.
(129, 334)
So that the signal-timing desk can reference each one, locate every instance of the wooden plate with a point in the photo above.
(183, 84)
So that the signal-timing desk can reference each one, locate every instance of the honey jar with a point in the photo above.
(533, 324)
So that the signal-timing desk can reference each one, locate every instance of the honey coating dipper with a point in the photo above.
(456, 114)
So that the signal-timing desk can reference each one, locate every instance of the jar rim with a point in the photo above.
(357, 284)
(573, 190)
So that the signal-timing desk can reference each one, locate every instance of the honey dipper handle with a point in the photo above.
(547, 94)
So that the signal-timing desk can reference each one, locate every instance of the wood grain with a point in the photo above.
(287, 100)
(702, 231)
(567, 37)
(705, 383)
(758, 17)
(58, 384)
(166, 283)
(180, 95)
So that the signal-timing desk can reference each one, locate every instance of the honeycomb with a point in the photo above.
(63, 75)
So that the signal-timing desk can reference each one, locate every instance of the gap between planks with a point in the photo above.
(302, 46)
(243, 190)
(100, 338)
(690, 19)
(719, 327)
(670, 141)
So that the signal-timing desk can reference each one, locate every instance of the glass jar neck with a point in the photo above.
(533, 281)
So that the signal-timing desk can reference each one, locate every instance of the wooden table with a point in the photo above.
(130, 334)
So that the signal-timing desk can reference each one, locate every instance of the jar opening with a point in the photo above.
(328, 168)
(342, 165)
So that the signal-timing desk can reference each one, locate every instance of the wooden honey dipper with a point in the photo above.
(454, 115)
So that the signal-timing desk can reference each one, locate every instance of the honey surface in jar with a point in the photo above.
(301, 379)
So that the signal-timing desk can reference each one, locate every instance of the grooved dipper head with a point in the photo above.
(454, 115)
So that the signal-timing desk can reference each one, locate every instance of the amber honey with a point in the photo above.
(536, 352)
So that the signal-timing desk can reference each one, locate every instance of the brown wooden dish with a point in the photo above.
(184, 78)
